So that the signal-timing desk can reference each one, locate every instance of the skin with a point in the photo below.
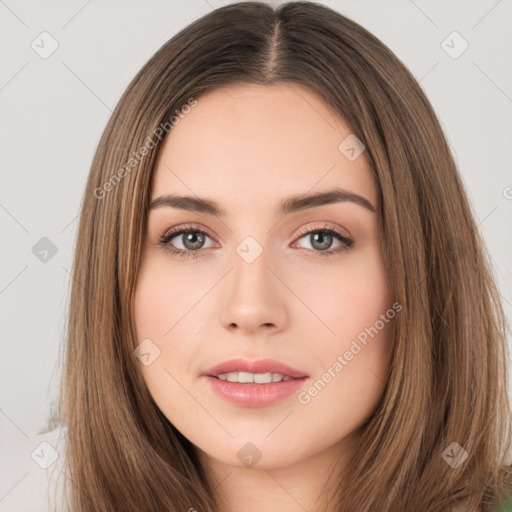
(247, 148)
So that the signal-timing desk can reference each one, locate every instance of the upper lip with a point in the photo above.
(259, 366)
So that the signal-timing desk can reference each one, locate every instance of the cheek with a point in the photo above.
(161, 300)
(166, 312)
(157, 320)
(353, 372)
(149, 303)
(357, 307)
(350, 298)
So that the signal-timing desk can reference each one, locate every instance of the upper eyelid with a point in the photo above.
(179, 230)
(327, 226)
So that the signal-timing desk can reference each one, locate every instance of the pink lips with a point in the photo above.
(260, 366)
(252, 394)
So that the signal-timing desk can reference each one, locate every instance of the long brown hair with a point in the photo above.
(448, 377)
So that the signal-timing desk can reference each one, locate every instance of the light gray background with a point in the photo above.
(54, 110)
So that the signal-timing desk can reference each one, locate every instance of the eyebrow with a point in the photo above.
(292, 204)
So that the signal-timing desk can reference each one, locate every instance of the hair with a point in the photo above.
(448, 375)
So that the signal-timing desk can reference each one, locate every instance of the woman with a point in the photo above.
(214, 361)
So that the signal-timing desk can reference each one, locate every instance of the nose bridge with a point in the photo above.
(253, 296)
(250, 265)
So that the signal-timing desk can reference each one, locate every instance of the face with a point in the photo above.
(306, 287)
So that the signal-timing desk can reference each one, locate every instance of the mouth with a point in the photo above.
(252, 378)
(254, 383)
(262, 371)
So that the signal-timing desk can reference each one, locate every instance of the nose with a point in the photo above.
(253, 298)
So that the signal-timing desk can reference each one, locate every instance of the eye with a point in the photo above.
(191, 238)
(321, 239)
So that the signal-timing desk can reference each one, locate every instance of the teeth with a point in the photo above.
(258, 378)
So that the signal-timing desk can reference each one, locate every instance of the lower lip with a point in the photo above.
(254, 395)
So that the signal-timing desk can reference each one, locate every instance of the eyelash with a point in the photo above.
(180, 253)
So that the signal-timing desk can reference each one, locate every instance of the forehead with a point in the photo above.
(250, 144)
